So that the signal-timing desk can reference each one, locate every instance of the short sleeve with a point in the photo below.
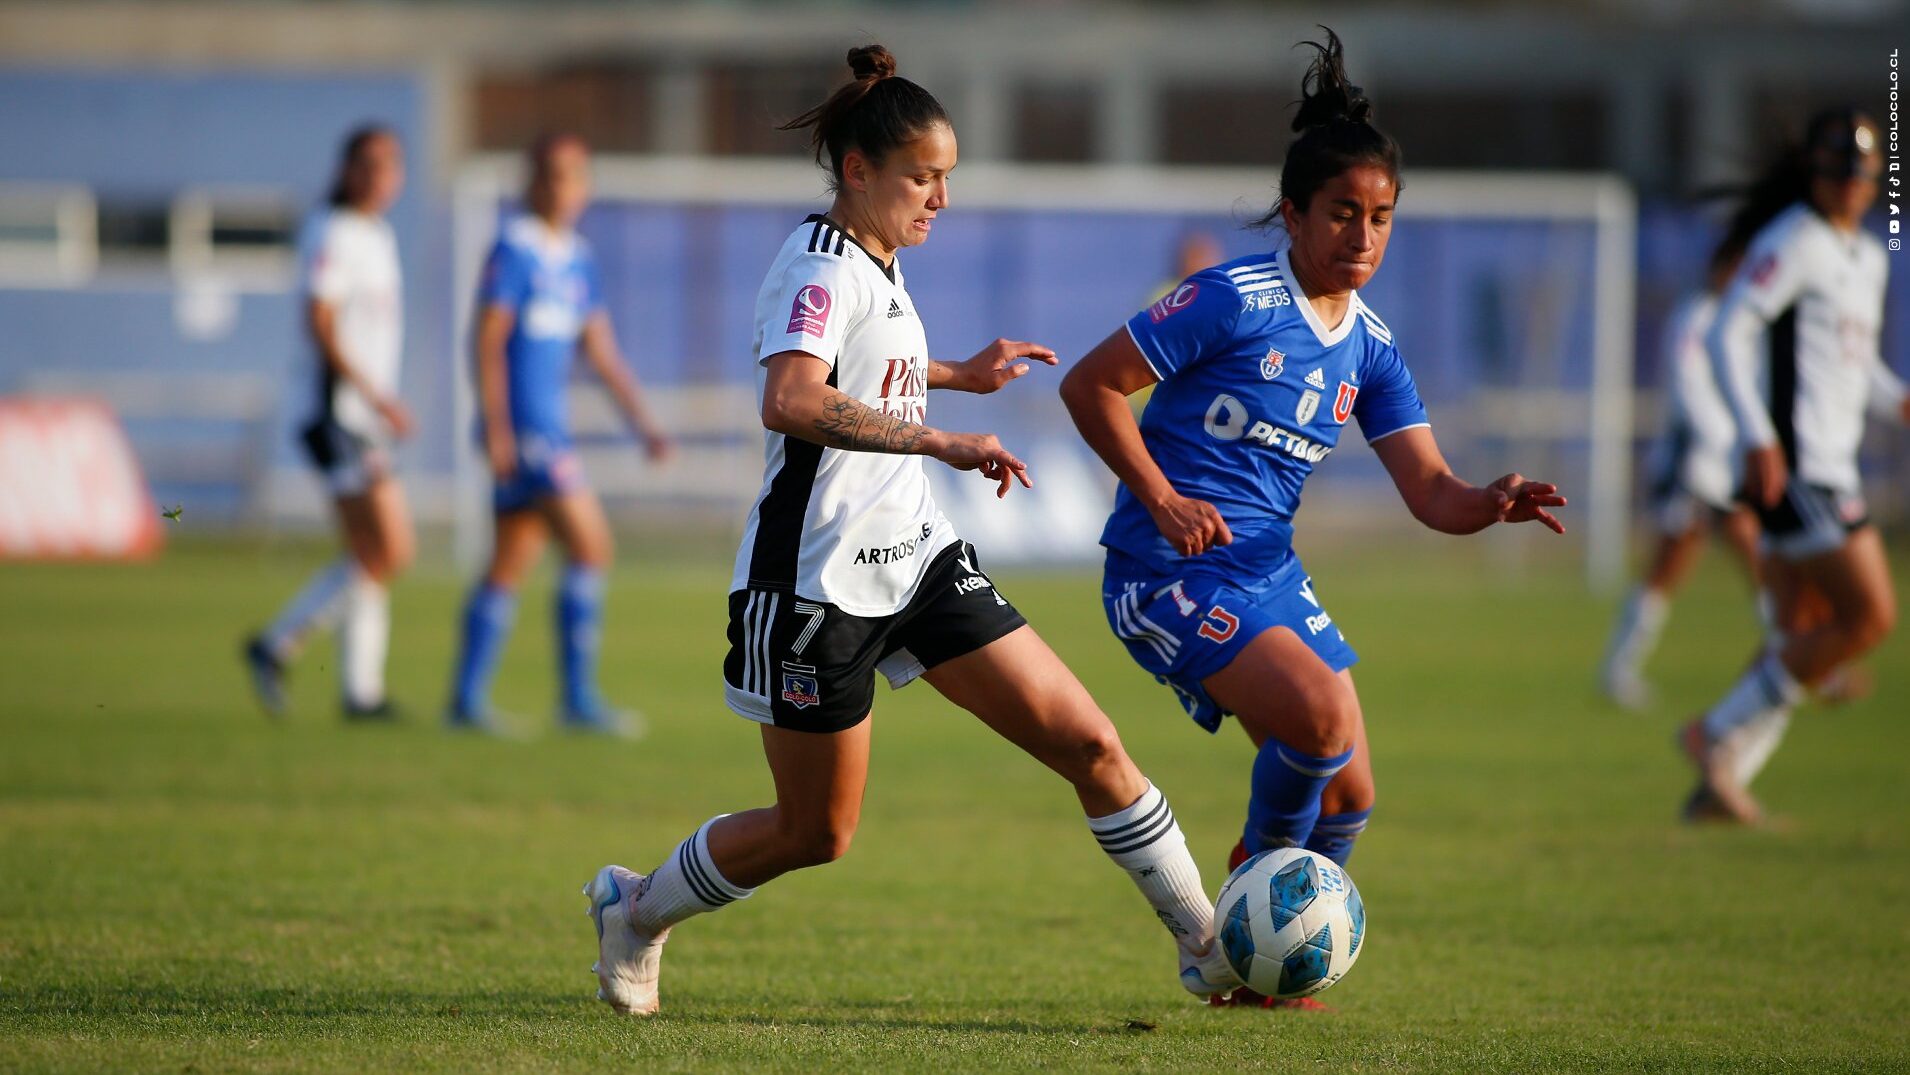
(325, 260)
(818, 301)
(1388, 400)
(1189, 323)
(1773, 273)
(507, 278)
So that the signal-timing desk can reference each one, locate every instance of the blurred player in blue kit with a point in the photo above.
(540, 303)
(1258, 364)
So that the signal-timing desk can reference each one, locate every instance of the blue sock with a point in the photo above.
(1286, 795)
(580, 600)
(487, 623)
(1333, 834)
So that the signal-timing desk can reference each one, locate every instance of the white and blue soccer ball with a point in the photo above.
(1290, 922)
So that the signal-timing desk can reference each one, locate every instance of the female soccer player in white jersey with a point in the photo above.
(1693, 487)
(540, 304)
(353, 309)
(1797, 348)
(1257, 365)
(848, 568)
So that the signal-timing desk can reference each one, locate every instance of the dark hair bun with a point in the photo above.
(871, 62)
(1326, 95)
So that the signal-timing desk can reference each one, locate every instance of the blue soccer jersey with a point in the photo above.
(549, 282)
(1253, 392)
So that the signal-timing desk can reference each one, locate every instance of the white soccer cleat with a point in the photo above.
(628, 961)
(1207, 974)
(1627, 690)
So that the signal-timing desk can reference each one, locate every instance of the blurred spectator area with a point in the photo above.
(1673, 96)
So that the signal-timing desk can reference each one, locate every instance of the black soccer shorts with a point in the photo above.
(809, 666)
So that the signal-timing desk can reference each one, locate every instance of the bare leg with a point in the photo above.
(819, 783)
(1018, 687)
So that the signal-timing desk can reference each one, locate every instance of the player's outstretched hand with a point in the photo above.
(659, 447)
(1521, 501)
(397, 416)
(982, 452)
(1191, 526)
(997, 364)
(1765, 475)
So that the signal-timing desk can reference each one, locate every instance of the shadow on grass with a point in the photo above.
(238, 1002)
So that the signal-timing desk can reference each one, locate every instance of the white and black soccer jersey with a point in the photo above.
(1796, 345)
(853, 529)
(350, 261)
(1698, 455)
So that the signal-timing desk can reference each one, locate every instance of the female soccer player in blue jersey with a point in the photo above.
(1257, 364)
(540, 302)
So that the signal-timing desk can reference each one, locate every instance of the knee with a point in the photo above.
(1874, 624)
(399, 554)
(385, 560)
(374, 565)
(1329, 720)
(1091, 757)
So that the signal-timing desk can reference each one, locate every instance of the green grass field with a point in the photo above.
(185, 887)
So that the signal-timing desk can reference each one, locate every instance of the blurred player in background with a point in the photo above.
(1195, 251)
(848, 567)
(541, 303)
(351, 287)
(1693, 487)
(1797, 348)
(1258, 364)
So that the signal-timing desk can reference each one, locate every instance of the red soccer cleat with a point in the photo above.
(1247, 998)
(1237, 856)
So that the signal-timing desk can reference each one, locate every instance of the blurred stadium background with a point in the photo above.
(185, 886)
(158, 157)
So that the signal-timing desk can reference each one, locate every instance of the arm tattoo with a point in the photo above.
(852, 425)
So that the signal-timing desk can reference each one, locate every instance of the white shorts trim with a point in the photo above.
(746, 705)
(900, 668)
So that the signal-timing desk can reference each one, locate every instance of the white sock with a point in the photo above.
(1768, 687)
(363, 638)
(315, 607)
(1639, 625)
(686, 883)
(1767, 615)
(1757, 741)
(1146, 841)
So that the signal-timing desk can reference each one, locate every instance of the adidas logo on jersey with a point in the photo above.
(895, 308)
(1316, 379)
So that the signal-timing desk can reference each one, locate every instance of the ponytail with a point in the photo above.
(876, 111)
(1335, 127)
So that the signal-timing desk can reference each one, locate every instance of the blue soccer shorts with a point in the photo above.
(546, 467)
(1184, 630)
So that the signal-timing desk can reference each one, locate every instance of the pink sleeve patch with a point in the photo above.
(810, 312)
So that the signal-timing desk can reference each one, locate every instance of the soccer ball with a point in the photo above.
(1291, 922)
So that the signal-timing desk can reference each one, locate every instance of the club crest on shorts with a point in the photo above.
(1343, 403)
(1309, 405)
(1271, 365)
(799, 685)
